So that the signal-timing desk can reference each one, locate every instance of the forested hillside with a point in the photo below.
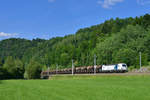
(115, 40)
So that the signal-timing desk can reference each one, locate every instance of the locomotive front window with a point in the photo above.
(124, 65)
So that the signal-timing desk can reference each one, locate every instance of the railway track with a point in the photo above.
(103, 74)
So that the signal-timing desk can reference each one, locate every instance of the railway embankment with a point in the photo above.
(76, 76)
(133, 72)
(141, 70)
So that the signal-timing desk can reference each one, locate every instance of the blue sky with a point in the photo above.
(50, 18)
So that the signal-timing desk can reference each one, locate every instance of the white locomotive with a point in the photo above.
(121, 67)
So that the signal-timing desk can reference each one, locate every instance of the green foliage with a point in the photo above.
(1, 63)
(131, 68)
(9, 65)
(115, 40)
(33, 70)
(2, 73)
(14, 67)
(127, 56)
(44, 68)
(123, 46)
(144, 60)
(19, 67)
(53, 66)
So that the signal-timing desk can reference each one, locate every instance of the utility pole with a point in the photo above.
(72, 67)
(140, 60)
(94, 64)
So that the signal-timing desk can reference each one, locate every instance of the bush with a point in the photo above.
(33, 70)
(130, 68)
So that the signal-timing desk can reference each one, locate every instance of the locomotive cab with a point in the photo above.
(122, 67)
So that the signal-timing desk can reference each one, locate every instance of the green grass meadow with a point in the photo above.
(78, 88)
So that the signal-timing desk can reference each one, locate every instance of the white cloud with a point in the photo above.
(108, 3)
(143, 2)
(2, 34)
(51, 1)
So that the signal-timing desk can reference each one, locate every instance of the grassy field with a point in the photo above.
(78, 88)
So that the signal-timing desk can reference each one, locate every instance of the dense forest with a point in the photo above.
(114, 41)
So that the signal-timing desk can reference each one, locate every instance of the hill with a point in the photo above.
(115, 40)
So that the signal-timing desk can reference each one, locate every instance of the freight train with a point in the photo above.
(115, 68)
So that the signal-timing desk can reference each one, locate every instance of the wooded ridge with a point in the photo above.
(114, 41)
